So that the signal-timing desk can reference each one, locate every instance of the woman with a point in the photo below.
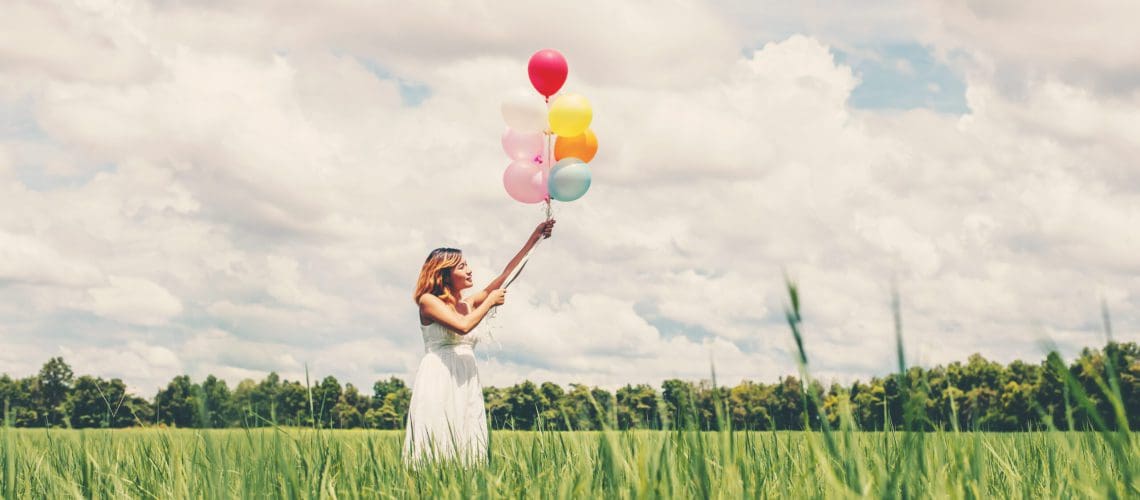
(446, 417)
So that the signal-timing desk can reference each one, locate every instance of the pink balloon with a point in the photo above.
(547, 71)
(523, 145)
(525, 181)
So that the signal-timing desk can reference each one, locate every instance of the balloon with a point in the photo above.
(525, 114)
(525, 181)
(523, 145)
(547, 69)
(570, 115)
(583, 147)
(569, 179)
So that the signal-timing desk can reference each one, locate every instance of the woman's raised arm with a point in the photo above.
(543, 230)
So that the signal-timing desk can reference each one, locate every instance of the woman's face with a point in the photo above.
(461, 276)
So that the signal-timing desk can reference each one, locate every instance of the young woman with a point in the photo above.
(446, 417)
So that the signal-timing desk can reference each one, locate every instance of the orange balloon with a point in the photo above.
(582, 147)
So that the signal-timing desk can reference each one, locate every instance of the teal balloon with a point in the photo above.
(569, 179)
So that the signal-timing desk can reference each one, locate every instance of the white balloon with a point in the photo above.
(525, 114)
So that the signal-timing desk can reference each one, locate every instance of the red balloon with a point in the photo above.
(547, 71)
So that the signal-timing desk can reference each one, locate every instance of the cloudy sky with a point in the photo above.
(237, 187)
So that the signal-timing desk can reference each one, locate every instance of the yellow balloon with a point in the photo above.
(582, 147)
(570, 115)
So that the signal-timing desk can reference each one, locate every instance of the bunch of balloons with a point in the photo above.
(532, 175)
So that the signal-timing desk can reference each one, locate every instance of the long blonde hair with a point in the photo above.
(435, 276)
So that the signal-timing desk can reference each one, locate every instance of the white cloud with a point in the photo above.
(257, 196)
(596, 339)
(91, 41)
(135, 301)
(142, 366)
(892, 235)
(26, 260)
(219, 348)
(1091, 44)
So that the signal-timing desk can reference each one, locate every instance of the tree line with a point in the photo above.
(977, 394)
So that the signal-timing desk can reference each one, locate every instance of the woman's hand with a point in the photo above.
(544, 229)
(497, 297)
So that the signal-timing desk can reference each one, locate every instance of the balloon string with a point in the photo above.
(549, 167)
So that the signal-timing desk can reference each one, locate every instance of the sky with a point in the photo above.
(240, 187)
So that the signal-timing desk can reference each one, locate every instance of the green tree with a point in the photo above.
(1088, 369)
(18, 397)
(353, 397)
(637, 407)
(217, 403)
(980, 372)
(584, 411)
(176, 405)
(1013, 412)
(608, 404)
(1022, 372)
(136, 411)
(389, 405)
(382, 388)
(680, 411)
(869, 401)
(1129, 368)
(497, 407)
(1053, 398)
(244, 405)
(524, 401)
(95, 402)
(706, 399)
(1120, 367)
(292, 405)
(392, 412)
(937, 411)
(349, 411)
(977, 394)
(977, 407)
(53, 385)
(325, 397)
(749, 403)
(551, 411)
(8, 401)
(346, 416)
(255, 403)
(835, 403)
(789, 399)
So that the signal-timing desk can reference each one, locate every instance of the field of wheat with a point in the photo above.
(307, 463)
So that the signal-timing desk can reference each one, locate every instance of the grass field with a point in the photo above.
(305, 463)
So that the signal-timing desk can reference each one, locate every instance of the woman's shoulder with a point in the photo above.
(423, 302)
(428, 298)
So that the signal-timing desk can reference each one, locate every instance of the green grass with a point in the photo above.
(303, 463)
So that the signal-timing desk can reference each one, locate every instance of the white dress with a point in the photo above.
(446, 418)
